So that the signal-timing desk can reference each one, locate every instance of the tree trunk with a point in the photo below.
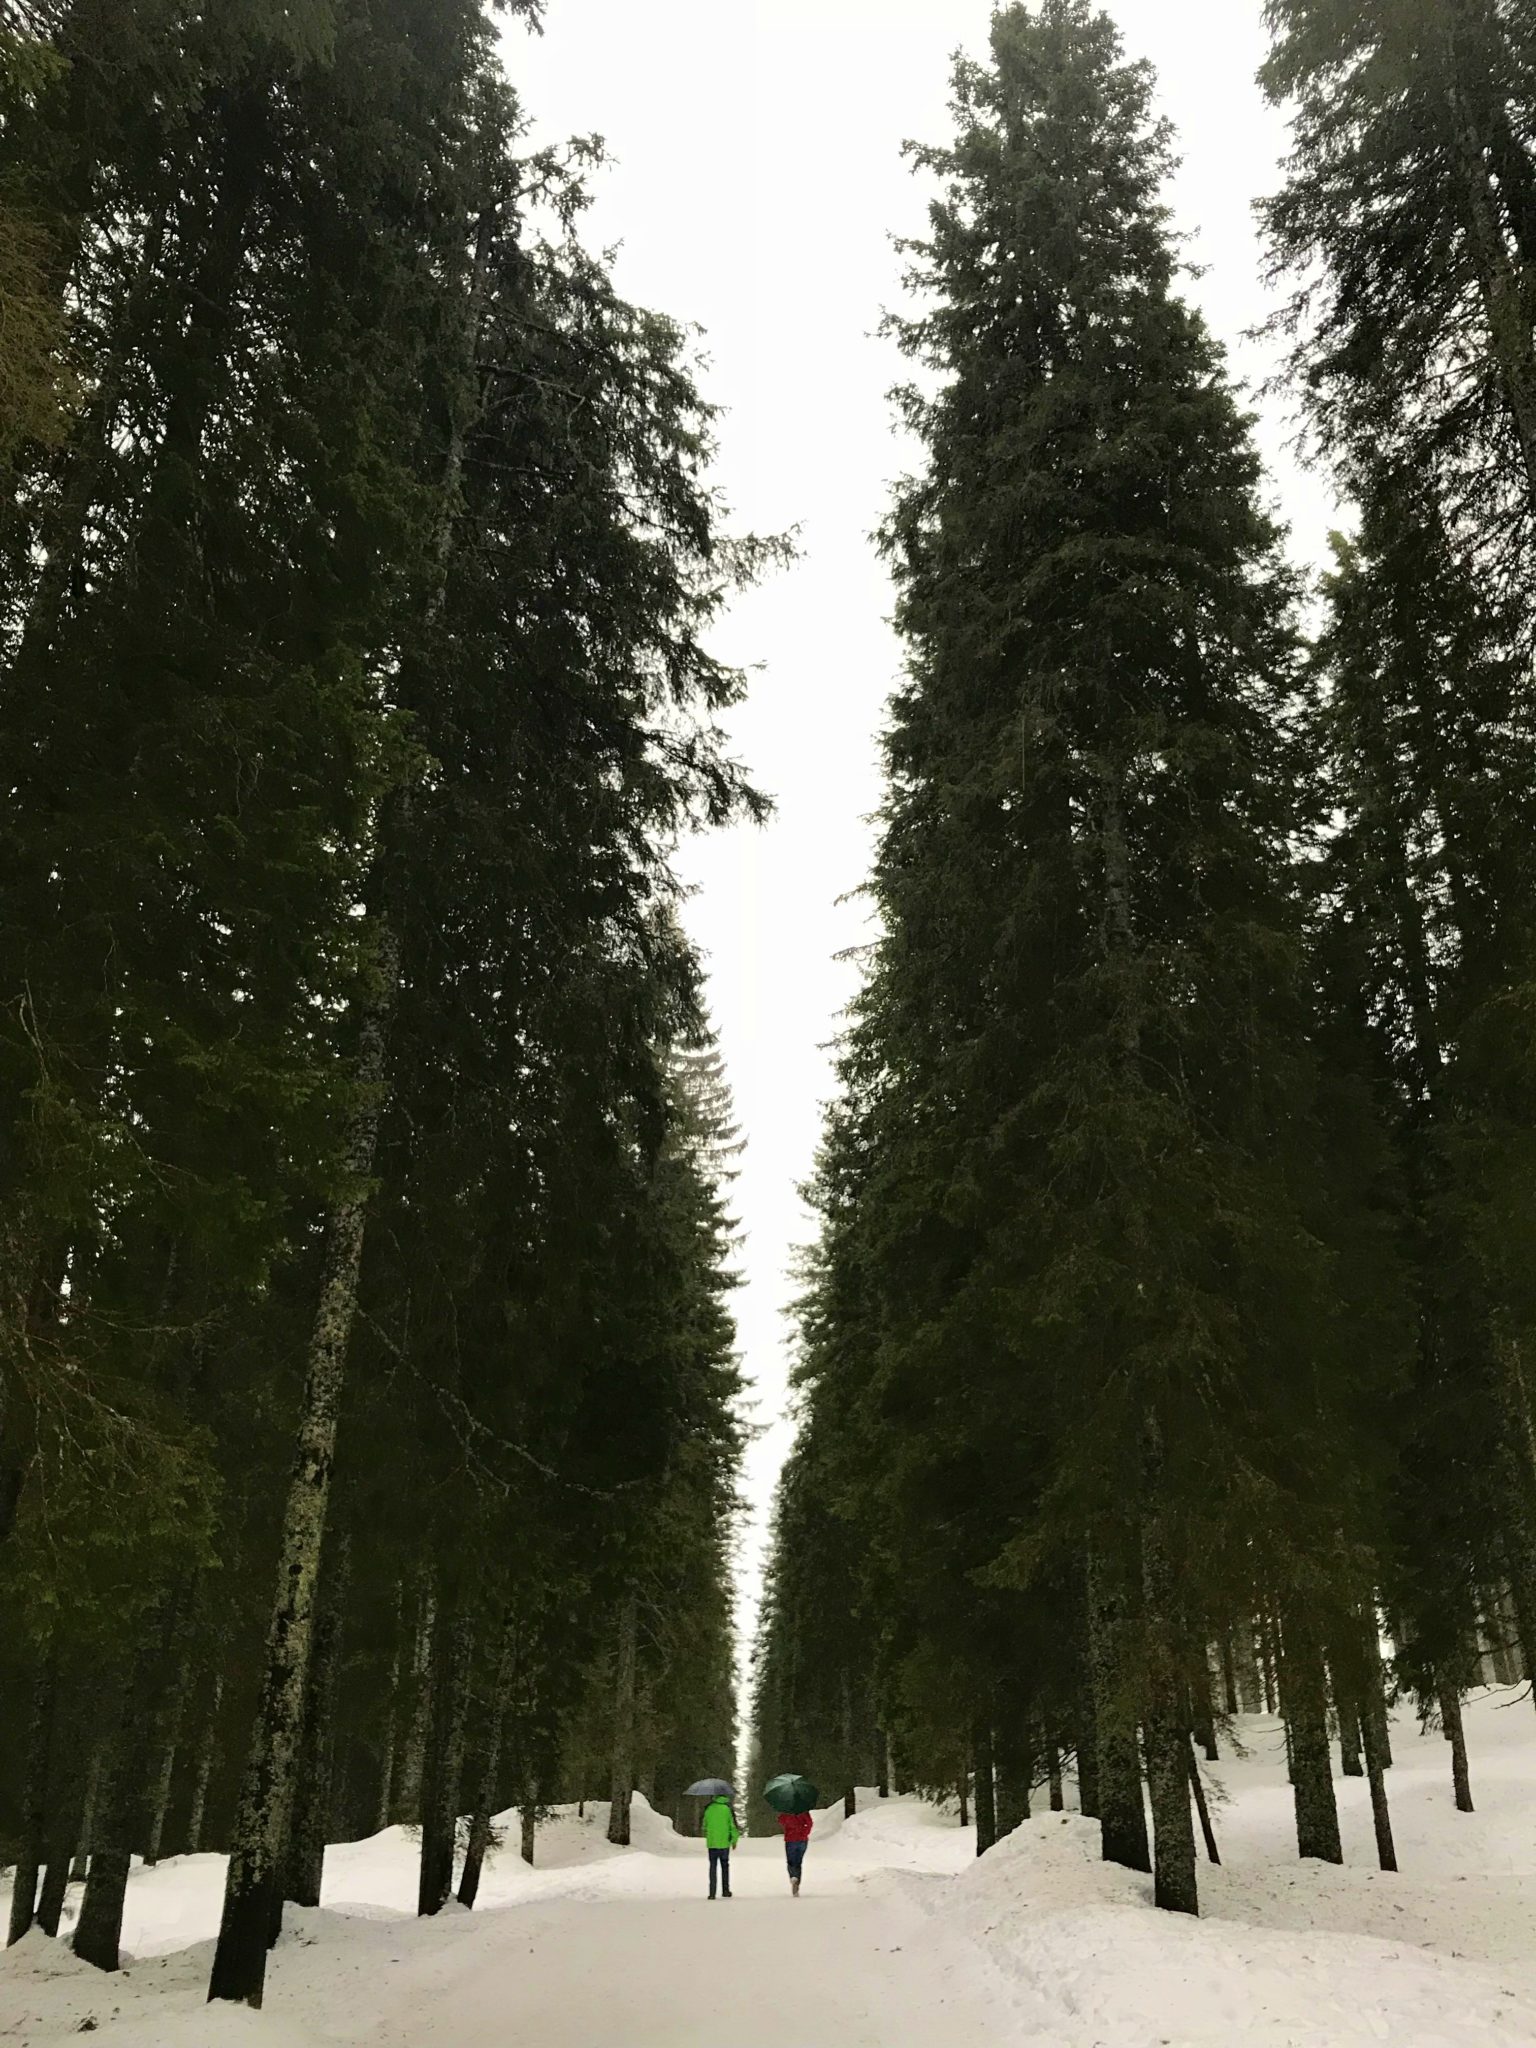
(529, 1819)
(34, 1827)
(119, 1811)
(850, 1764)
(1306, 1709)
(383, 1813)
(1174, 1883)
(407, 1801)
(15, 1457)
(1250, 1683)
(883, 1756)
(1122, 1816)
(198, 1813)
(1374, 1709)
(1012, 1770)
(1351, 1750)
(1375, 1769)
(624, 1723)
(1053, 1774)
(474, 1852)
(986, 1795)
(99, 1929)
(1456, 1736)
(1087, 1760)
(1197, 1786)
(490, 1767)
(1351, 1760)
(252, 1896)
(445, 1767)
(965, 1797)
(66, 1808)
(170, 1743)
(304, 1858)
(80, 1868)
(50, 1900)
(1202, 1713)
(1228, 1674)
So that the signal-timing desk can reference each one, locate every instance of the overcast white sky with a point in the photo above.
(757, 180)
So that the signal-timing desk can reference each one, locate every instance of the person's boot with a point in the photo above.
(794, 1886)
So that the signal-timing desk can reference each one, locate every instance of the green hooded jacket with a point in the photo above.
(720, 1829)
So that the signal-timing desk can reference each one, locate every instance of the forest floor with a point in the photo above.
(901, 1935)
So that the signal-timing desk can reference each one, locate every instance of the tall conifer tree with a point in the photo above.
(1408, 218)
(1092, 1199)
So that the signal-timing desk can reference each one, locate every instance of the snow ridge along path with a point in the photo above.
(601, 1948)
(901, 1936)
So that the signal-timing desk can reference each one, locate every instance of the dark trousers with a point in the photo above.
(794, 1856)
(720, 1859)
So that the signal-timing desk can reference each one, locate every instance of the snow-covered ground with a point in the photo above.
(900, 1937)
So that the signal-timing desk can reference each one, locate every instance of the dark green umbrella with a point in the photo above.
(791, 1793)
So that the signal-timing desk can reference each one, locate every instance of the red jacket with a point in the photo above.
(796, 1826)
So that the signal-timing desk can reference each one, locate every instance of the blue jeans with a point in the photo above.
(794, 1856)
(720, 1859)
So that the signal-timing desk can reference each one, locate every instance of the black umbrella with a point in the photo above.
(710, 1788)
(791, 1793)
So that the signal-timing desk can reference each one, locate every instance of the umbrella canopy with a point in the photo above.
(791, 1793)
(710, 1788)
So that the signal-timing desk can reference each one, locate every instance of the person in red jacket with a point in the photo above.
(796, 1829)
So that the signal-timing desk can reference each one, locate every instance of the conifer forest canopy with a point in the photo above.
(371, 1413)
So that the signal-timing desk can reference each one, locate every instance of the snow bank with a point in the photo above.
(48, 1997)
(1441, 1954)
(178, 1902)
(1063, 1928)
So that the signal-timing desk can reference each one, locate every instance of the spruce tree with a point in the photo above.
(1427, 734)
(1408, 219)
(354, 687)
(1094, 1181)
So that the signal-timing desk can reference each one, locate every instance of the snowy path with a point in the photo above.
(760, 1972)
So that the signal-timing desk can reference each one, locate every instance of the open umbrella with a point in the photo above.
(710, 1788)
(791, 1793)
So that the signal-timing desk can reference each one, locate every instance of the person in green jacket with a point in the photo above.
(721, 1835)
